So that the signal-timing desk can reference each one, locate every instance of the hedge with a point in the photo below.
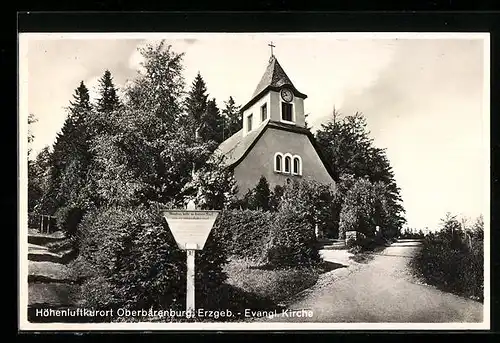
(292, 241)
(245, 232)
(450, 266)
(283, 238)
(130, 259)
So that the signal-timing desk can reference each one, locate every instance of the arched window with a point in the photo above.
(288, 162)
(297, 165)
(278, 161)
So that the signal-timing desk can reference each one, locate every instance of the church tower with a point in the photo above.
(275, 99)
(274, 142)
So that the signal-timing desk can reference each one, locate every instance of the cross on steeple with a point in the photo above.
(272, 46)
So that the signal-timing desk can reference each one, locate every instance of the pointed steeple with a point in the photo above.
(274, 76)
(274, 79)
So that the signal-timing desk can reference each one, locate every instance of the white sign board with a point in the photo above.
(190, 228)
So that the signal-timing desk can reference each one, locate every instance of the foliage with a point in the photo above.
(346, 144)
(202, 115)
(158, 89)
(275, 198)
(292, 241)
(363, 244)
(318, 202)
(244, 233)
(68, 218)
(109, 100)
(149, 152)
(232, 117)
(278, 239)
(453, 259)
(136, 260)
(145, 155)
(212, 187)
(196, 104)
(365, 207)
(65, 169)
(258, 198)
(213, 122)
(411, 234)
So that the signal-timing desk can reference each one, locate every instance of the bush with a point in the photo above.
(131, 260)
(244, 233)
(364, 244)
(292, 241)
(450, 266)
(284, 238)
(68, 218)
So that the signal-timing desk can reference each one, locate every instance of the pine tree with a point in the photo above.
(262, 194)
(109, 100)
(70, 148)
(196, 104)
(233, 121)
(212, 123)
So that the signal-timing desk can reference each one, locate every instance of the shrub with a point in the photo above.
(131, 259)
(364, 244)
(451, 266)
(284, 238)
(68, 218)
(243, 233)
(292, 241)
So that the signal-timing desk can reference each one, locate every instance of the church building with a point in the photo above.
(274, 141)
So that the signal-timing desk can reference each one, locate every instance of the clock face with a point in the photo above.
(286, 95)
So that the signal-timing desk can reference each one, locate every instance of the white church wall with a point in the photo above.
(260, 160)
(254, 110)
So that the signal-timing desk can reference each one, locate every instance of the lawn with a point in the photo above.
(275, 284)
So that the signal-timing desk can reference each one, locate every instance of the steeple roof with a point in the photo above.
(274, 78)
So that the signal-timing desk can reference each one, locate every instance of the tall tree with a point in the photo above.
(233, 121)
(158, 88)
(71, 153)
(196, 104)
(109, 100)
(350, 151)
(147, 155)
(212, 123)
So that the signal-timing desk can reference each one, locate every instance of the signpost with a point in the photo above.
(190, 229)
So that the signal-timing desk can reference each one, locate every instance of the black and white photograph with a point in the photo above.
(254, 181)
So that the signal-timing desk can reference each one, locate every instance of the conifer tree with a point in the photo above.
(109, 100)
(71, 148)
(212, 123)
(262, 194)
(233, 121)
(196, 104)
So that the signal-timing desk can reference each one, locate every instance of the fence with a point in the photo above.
(41, 222)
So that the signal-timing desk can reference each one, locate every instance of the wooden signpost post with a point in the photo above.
(190, 229)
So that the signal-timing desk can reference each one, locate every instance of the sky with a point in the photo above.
(424, 98)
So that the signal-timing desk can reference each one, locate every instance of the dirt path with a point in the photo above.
(382, 290)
